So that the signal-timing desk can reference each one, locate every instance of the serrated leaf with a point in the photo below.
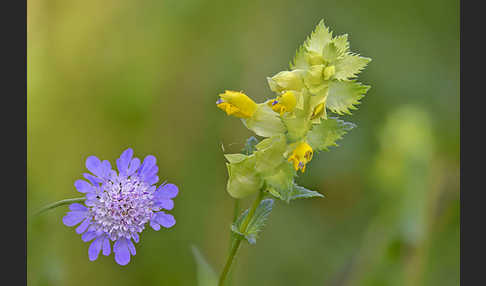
(257, 222)
(330, 52)
(250, 145)
(265, 122)
(350, 66)
(326, 133)
(299, 192)
(300, 61)
(344, 95)
(205, 273)
(318, 38)
(342, 43)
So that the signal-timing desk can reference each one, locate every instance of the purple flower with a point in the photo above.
(118, 206)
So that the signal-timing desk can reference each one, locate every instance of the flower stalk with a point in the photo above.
(59, 203)
(236, 243)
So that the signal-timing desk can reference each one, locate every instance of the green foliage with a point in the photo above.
(327, 133)
(265, 122)
(257, 222)
(320, 79)
(345, 95)
(243, 178)
(205, 273)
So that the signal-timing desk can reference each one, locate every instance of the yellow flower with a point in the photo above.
(237, 104)
(283, 103)
(319, 110)
(301, 155)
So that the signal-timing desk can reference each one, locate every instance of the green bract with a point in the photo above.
(321, 79)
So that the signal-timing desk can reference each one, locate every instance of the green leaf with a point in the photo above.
(269, 154)
(257, 222)
(344, 95)
(250, 145)
(235, 158)
(326, 133)
(330, 52)
(286, 80)
(350, 66)
(280, 183)
(299, 192)
(297, 125)
(318, 38)
(243, 179)
(265, 122)
(205, 273)
(300, 61)
(342, 43)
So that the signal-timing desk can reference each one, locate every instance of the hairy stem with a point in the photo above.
(59, 203)
(236, 244)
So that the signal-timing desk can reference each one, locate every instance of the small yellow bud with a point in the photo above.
(319, 110)
(283, 103)
(329, 72)
(301, 155)
(237, 104)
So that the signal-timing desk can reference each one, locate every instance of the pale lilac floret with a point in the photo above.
(119, 205)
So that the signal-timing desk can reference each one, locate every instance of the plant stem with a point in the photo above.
(236, 245)
(59, 203)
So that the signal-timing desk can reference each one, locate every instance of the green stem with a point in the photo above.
(59, 203)
(236, 245)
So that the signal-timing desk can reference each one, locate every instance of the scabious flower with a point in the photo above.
(119, 205)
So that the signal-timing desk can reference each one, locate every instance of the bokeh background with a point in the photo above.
(107, 75)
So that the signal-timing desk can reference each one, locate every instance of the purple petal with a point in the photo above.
(106, 169)
(83, 187)
(131, 247)
(152, 180)
(135, 237)
(168, 191)
(122, 254)
(124, 160)
(77, 207)
(83, 226)
(93, 164)
(154, 224)
(89, 235)
(147, 165)
(106, 246)
(94, 180)
(95, 248)
(134, 164)
(167, 204)
(166, 220)
(73, 218)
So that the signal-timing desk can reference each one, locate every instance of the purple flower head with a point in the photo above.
(119, 205)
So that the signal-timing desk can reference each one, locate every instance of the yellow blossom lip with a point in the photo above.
(283, 103)
(301, 155)
(237, 104)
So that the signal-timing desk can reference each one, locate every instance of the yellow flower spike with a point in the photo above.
(329, 72)
(301, 155)
(237, 104)
(283, 103)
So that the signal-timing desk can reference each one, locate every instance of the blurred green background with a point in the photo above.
(107, 75)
